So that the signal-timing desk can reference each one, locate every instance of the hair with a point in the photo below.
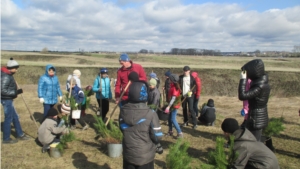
(177, 86)
(51, 68)
(73, 81)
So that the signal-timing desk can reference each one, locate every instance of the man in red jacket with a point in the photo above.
(122, 77)
(197, 92)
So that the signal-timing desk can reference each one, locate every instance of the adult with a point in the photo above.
(257, 95)
(76, 75)
(141, 129)
(167, 85)
(251, 153)
(154, 76)
(122, 77)
(10, 91)
(197, 92)
(188, 86)
(49, 89)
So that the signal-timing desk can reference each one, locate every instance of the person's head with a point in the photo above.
(52, 113)
(77, 73)
(65, 109)
(133, 76)
(124, 60)
(138, 92)
(51, 71)
(12, 65)
(152, 75)
(73, 82)
(210, 103)
(168, 73)
(186, 70)
(103, 72)
(152, 83)
(175, 80)
(229, 126)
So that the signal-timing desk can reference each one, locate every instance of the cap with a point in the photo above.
(186, 68)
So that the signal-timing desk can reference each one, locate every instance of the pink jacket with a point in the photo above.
(245, 102)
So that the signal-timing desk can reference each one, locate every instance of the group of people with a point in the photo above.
(138, 121)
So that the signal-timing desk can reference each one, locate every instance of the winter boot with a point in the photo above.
(269, 144)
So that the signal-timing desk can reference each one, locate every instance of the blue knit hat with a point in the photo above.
(103, 70)
(124, 57)
(152, 75)
(168, 73)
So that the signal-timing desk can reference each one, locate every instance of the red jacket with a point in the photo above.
(198, 84)
(122, 79)
(174, 92)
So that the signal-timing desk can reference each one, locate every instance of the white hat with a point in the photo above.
(12, 63)
(76, 72)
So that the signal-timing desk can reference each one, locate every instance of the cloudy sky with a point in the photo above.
(131, 25)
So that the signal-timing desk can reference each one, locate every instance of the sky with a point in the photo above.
(158, 25)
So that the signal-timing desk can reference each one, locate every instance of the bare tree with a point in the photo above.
(45, 50)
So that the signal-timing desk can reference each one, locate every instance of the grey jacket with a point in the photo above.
(48, 131)
(8, 85)
(153, 97)
(252, 154)
(141, 132)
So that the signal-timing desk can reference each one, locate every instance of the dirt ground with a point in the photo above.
(88, 153)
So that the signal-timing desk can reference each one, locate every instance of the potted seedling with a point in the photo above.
(65, 140)
(111, 134)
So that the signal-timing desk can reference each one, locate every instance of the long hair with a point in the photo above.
(177, 86)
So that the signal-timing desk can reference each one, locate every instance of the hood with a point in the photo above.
(255, 69)
(210, 103)
(5, 70)
(194, 74)
(244, 135)
(48, 67)
(261, 80)
(134, 113)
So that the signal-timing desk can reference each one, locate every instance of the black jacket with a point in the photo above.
(8, 85)
(257, 95)
(167, 86)
(141, 132)
(192, 83)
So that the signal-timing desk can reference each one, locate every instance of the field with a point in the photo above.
(219, 76)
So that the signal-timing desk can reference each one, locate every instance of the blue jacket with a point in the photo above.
(106, 90)
(48, 87)
(78, 94)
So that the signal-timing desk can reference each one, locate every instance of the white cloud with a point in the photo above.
(153, 25)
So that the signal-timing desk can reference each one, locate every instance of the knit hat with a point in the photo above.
(152, 82)
(76, 72)
(124, 57)
(174, 78)
(65, 108)
(168, 73)
(52, 112)
(12, 64)
(152, 75)
(230, 125)
(186, 68)
(133, 76)
(138, 92)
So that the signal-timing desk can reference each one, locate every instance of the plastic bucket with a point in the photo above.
(114, 150)
(76, 114)
(162, 115)
(54, 152)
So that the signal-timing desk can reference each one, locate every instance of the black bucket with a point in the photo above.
(162, 115)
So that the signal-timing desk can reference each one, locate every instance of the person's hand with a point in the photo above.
(167, 110)
(163, 88)
(100, 89)
(243, 75)
(76, 104)
(117, 100)
(60, 98)
(42, 100)
(19, 91)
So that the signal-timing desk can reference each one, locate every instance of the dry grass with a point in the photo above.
(89, 153)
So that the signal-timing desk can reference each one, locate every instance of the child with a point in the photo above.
(153, 76)
(103, 92)
(154, 95)
(78, 95)
(208, 113)
(141, 129)
(244, 111)
(76, 75)
(174, 103)
(49, 132)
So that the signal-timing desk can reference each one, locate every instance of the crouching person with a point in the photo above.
(208, 113)
(251, 153)
(141, 130)
(49, 132)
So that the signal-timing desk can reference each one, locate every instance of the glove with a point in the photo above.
(159, 148)
(76, 104)
(19, 91)
(167, 110)
(60, 98)
(100, 90)
(42, 100)
(243, 112)
(243, 75)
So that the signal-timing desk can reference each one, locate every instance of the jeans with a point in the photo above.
(195, 105)
(10, 116)
(172, 121)
(47, 107)
(189, 101)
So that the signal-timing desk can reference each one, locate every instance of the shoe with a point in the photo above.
(195, 126)
(179, 135)
(170, 133)
(10, 141)
(45, 148)
(85, 127)
(185, 124)
(24, 137)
